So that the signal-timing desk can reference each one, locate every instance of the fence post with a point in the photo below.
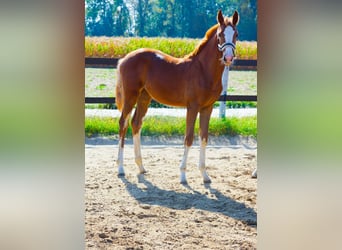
(225, 77)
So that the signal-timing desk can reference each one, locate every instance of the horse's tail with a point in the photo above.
(119, 91)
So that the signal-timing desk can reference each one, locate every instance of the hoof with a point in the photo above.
(183, 182)
(207, 181)
(142, 171)
(121, 174)
(182, 178)
(121, 171)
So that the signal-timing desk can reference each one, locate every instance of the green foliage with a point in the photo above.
(241, 104)
(163, 125)
(115, 47)
(157, 105)
(171, 126)
(165, 18)
(102, 86)
(238, 104)
(233, 126)
(100, 106)
(107, 18)
(246, 50)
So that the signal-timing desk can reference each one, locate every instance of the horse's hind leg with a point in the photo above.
(140, 111)
(204, 126)
(123, 123)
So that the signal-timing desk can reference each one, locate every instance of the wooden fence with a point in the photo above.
(239, 64)
(97, 62)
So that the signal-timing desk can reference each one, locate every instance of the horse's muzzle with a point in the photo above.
(228, 60)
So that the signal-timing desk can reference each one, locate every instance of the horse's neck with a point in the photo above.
(210, 61)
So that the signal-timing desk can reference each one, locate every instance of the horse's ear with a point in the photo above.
(220, 18)
(236, 18)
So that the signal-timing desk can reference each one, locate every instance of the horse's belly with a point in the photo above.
(171, 95)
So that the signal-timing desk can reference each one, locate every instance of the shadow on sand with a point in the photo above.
(153, 195)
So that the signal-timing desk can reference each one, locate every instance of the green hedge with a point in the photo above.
(116, 47)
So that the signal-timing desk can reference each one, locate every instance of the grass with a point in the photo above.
(116, 47)
(229, 104)
(237, 104)
(240, 82)
(101, 83)
(102, 86)
(173, 126)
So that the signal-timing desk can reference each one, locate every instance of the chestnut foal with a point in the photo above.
(193, 81)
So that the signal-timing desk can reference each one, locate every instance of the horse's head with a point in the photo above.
(227, 35)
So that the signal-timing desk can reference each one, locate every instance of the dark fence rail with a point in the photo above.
(247, 98)
(92, 62)
(97, 62)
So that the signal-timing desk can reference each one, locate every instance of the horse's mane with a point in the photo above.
(210, 32)
(204, 41)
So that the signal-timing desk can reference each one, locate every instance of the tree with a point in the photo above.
(106, 18)
(121, 19)
(248, 16)
(172, 18)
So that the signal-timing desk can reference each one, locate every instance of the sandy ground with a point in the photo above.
(155, 211)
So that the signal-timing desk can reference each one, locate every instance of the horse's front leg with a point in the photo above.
(191, 115)
(204, 126)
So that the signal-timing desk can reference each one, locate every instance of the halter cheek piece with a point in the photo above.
(225, 45)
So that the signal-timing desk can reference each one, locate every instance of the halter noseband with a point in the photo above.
(225, 45)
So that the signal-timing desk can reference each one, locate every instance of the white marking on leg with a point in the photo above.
(201, 164)
(225, 77)
(183, 165)
(120, 159)
(137, 152)
(121, 150)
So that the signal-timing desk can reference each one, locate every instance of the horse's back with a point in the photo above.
(164, 77)
(144, 57)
